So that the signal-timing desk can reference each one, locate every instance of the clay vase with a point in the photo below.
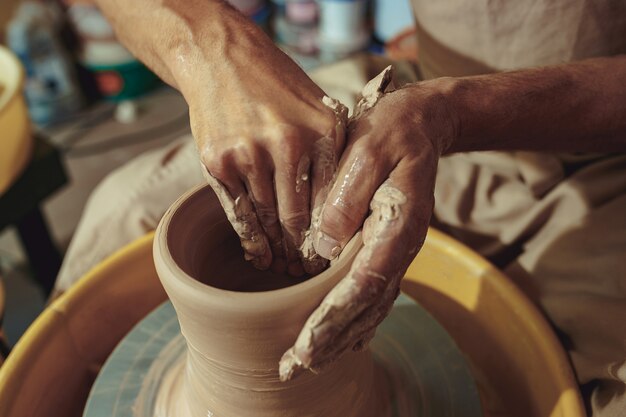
(238, 321)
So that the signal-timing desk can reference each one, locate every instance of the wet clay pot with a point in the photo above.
(238, 321)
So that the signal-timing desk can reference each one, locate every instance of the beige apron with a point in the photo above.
(555, 223)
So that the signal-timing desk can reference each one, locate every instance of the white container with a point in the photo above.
(342, 26)
(391, 17)
(51, 89)
(301, 12)
(99, 44)
(16, 141)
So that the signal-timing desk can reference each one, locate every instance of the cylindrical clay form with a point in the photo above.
(238, 322)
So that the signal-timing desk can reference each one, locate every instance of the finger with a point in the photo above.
(330, 346)
(361, 172)
(240, 212)
(325, 154)
(260, 186)
(293, 195)
(359, 290)
(392, 234)
(371, 93)
(360, 331)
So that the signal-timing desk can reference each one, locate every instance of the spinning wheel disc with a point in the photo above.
(428, 374)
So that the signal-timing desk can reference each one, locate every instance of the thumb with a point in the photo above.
(360, 174)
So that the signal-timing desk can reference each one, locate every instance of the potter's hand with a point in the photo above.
(266, 138)
(386, 179)
(270, 142)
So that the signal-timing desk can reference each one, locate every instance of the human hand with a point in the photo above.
(270, 141)
(387, 169)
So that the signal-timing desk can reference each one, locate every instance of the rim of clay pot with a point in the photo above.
(223, 298)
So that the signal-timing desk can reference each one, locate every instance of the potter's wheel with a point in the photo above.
(429, 375)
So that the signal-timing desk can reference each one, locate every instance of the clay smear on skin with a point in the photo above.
(371, 93)
(241, 213)
(302, 172)
(340, 304)
(388, 199)
(325, 156)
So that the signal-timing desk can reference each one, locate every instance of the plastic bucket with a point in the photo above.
(519, 366)
(16, 142)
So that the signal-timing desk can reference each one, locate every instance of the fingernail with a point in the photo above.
(326, 246)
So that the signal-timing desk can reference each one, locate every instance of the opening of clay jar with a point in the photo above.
(204, 245)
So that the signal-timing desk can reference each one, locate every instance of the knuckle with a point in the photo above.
(267, 215)
(289, 144)
(328, 124)
(338, 221)
(249, 157)
(287, 132)
(367, 151)
(245, 155)
(296, 220)
(218, 165)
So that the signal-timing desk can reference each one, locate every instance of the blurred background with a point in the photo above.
(75, 105)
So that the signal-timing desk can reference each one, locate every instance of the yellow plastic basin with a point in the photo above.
(519, 366)
(16, 141)
(517, 361)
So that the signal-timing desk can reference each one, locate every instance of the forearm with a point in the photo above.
(578, 107)
(180, 39)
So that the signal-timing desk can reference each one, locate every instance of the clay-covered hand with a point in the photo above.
(270, 142)
(385, 183)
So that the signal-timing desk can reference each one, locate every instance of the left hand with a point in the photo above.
(387, 169)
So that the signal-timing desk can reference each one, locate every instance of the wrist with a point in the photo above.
(208, 46)
(436, 116)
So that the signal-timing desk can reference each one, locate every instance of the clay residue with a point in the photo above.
(242, 216)
(325, 155)
(373, 91)
(326, 161)
(241, 212)
(350, 297)
(302, 172)
(349, 306)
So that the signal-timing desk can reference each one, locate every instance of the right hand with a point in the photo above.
(385, 184)
(268, 142)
